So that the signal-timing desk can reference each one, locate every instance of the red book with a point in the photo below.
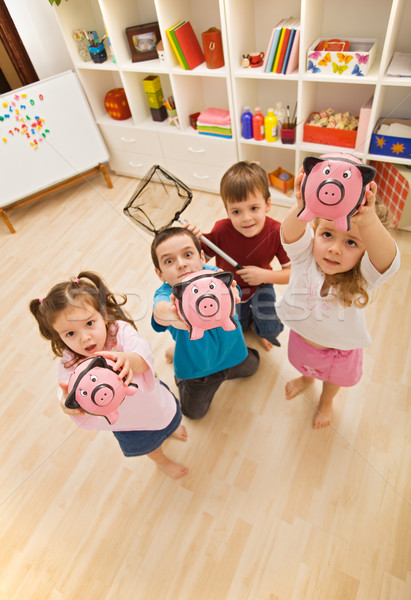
(283, 49)
(189, 45)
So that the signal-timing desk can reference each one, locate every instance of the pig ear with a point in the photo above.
(71, 401)
(225, 276)
(178, 290)
(368, 173)
(310, 162)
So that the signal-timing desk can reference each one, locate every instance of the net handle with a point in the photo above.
(216, 249)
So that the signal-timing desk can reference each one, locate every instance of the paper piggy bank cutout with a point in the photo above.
(95, 388)
(333, 187)
(205, 301)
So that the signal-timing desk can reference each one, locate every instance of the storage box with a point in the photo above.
(328, 135)
(393, 183)
(355, 61)
(387, 145)
(281, 184)
(159, 114)
(155, 100)
(152, 84)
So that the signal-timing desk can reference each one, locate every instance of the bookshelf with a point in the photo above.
(246, 26)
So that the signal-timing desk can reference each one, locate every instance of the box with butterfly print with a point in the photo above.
(354, 60)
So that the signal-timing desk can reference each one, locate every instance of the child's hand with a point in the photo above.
(253, 275)
(366, 214)
(177, 321)
(193, 228)
(236, 293)
(297, 187)
(68, 411)
(121, 364)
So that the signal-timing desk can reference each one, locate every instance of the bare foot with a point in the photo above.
(266, 344)
(296, 386)
(169, 353)
(172, 469)
(323, 416)
(166, 465)
(180, 433)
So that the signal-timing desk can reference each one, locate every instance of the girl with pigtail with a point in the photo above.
(82, 319)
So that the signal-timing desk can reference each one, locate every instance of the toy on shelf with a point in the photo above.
(82, 44)
(205, 301)
(333, 187)
(281, 179)
(116, 104)
(154, 93)
(94, 387)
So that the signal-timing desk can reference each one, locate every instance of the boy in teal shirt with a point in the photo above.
(200, 366)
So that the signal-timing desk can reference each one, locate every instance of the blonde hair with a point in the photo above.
(350, 287)
(241, 180)
(87, 287)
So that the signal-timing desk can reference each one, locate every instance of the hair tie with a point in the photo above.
(76, 280)
(41, 300)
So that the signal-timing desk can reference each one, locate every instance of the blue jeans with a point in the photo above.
(260, 310)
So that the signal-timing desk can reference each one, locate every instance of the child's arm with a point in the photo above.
(127, 363)
(293, 229)
(257, 276)
(378, 242)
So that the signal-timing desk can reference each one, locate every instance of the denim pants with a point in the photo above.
(197, 394)
(260, 310)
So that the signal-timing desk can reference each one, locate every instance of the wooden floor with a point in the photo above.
(270, 510)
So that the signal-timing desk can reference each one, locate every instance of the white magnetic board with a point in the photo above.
(47, 135)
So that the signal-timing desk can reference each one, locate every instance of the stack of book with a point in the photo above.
(185, 45)
(215, 121)
(282, 51)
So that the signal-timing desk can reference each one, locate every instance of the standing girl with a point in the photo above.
(332, 274)
(83, 319)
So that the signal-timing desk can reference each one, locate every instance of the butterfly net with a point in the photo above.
(158, 201)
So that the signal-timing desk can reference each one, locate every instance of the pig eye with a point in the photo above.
(93, 378)
(83, 393)
(347, 174)
(326, 170)
(194, 290)
(212, 286)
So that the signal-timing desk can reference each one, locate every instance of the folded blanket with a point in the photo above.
(217, 116)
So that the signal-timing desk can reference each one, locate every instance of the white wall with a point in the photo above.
(40, 33)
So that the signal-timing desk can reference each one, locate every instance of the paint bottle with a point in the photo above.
(270, 126)
(247, 123)
(258, 124)
(280, 113)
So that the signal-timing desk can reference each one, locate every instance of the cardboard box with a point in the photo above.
(388, 145)
(330, 136)
(355, 61)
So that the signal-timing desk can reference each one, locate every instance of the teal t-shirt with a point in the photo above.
(215, 351)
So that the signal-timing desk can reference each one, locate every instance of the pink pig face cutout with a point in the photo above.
(95, 388)
(205, 301)
(333, 187)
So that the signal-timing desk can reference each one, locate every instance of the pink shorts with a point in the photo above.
(341, 367)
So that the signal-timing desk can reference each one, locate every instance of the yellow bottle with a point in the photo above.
(270, 126)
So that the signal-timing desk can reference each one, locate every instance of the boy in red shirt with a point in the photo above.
(252, 239)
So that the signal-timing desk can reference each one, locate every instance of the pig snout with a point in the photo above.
(208, 305)
(330, 192)
(102, 395)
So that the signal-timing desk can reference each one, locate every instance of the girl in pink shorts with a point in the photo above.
(333, 273)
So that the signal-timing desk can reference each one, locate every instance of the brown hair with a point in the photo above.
(241, 180)
(163, 235)
(350, 287)
(88, 288)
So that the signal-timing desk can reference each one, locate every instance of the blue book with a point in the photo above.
(273, 49)
(288, 51)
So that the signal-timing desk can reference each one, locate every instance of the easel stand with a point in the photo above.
(100, 168)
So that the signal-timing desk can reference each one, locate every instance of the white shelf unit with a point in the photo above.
(246, 25)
